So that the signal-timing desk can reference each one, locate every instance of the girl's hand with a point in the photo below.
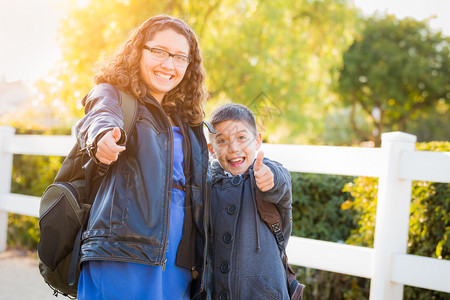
(107, 149)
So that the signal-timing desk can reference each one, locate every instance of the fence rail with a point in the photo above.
(396, 164)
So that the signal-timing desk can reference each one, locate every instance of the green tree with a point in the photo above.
(272, 55)
(393, 71)
(275, 57)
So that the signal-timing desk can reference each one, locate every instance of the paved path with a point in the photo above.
(20, 278)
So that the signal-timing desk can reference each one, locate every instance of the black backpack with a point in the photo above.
(64, 211)
(271, 217)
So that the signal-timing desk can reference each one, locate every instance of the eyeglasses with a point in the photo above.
(163, 55)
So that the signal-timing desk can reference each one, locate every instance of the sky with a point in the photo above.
(418, 9)
(28, 46)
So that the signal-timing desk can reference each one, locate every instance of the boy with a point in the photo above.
(247, 261)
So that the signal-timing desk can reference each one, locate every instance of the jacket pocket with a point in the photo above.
(257, 287)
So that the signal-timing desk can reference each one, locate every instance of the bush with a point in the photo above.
(316, 207)
(429, 225)
(317, 214)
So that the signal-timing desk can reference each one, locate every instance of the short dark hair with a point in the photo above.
(233, 112)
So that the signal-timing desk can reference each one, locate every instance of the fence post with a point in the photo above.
(392, 216)
(6, 159)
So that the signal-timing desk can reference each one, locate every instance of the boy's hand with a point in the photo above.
(107, 149)
(263, 174)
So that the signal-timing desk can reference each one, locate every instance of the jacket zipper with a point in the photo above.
(169, 190)
(164, 264)
(205, 221)
(169, 193)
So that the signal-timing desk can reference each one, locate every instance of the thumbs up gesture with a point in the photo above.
(107, 149)
(263, 174)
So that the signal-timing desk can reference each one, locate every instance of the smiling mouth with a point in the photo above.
(236, 161)
(164, 76)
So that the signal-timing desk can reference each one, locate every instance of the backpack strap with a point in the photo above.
(129, 109)
(271, 217)
(128, 104)
(74, 259)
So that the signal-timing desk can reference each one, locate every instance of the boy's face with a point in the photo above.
(234, 145)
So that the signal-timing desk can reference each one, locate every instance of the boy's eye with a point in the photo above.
(242, 138)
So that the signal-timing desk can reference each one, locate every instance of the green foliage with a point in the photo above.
(394, 70)
(277, 61)
(327, 285)
(275, 51)
(23, 232)
(316, 204)
(317, 214)
(432, 123)
(429, 225)
(43, 168)
(364, 192)
(279, 58)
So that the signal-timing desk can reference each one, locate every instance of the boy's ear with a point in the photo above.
(258, 139)
(211, 150)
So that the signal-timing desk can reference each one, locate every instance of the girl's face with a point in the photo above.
(162, 74)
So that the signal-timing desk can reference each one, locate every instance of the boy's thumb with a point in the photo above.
(259, 161)
(116, 134)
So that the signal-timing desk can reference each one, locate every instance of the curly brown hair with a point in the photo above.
(123, 70)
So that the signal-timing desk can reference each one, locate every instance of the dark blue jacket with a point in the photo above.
(129, 219)
(246, 258)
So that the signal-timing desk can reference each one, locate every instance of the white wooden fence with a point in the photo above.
(396, 164)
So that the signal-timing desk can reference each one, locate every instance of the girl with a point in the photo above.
(145, 235)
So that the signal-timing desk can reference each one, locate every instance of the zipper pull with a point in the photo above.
(164, 264)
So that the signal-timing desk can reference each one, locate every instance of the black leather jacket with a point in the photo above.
(129, 219)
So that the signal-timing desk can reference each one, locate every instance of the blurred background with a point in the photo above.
(335, 72)
(322, 72)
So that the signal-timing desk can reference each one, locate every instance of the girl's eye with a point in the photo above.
(158, 52)
(220, 142)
